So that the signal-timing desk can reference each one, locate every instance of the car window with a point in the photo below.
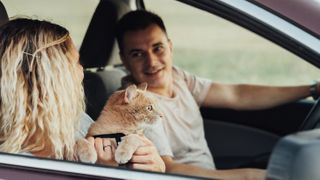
(75, 15)
(212, 47)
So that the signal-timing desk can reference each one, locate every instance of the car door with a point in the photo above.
(15, 166)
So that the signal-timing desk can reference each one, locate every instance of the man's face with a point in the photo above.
(147, 54)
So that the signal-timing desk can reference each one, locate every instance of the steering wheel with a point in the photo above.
(313, 117)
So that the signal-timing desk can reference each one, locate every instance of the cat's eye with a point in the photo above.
(149, 108)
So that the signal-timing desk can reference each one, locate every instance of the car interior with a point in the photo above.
(246, 142)
(98, 52)
(236, 139)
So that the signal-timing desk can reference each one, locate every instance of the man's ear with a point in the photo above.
(170, 45)
(130, 93)
(124, 62)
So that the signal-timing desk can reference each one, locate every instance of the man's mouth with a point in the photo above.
(154, 71)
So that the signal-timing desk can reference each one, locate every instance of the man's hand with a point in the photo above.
(147, 158)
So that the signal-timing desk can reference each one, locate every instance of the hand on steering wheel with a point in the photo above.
(313, 118)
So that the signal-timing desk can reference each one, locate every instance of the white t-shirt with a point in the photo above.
(182, 135)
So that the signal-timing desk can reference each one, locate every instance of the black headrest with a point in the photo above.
(99, 41)
(3, 14)
(98, 44)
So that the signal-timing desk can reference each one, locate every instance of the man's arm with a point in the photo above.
(251, 97)
(186, 169)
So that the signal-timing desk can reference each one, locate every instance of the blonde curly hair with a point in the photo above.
(41, 96)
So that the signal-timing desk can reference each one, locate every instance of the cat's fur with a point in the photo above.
(127, 111)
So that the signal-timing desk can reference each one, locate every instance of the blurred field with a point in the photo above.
(203, 44)
(222, 51)
(75, 15)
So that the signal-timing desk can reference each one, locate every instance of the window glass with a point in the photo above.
(212, 47)
(75, 15)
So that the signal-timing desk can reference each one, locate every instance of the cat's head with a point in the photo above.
(139, 105)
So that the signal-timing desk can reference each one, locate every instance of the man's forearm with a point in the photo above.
(239, 174)
(250, 97)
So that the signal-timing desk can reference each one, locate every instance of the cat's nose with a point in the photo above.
(160, 115)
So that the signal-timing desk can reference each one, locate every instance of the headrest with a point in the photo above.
(3, 14)
(98, 44)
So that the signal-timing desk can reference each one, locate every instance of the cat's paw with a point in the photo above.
(128, 145)
(122, 155)
(85, 151)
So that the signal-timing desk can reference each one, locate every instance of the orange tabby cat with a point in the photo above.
(127, 111)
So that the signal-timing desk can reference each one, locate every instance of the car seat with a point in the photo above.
(99, 53)
(3, 14)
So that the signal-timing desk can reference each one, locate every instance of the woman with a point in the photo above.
(42, 99)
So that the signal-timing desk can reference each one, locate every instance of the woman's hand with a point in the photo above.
(105, 149)
(146, 157)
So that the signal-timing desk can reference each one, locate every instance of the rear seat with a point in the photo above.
(99, 86)
(98, 51)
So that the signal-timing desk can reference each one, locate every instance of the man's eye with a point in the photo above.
(136, 55)
(158, 49)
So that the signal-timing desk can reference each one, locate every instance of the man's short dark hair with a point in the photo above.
(137, 20)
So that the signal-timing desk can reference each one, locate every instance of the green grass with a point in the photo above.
(242, 67)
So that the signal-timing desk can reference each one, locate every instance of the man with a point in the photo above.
(146, 51)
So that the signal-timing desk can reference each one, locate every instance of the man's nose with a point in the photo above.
(151, 59)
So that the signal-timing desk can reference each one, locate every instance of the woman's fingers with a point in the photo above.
(146, 157)
(99, 146)
(91, 140)
(105, 148)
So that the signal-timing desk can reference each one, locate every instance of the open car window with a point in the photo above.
(213, 47)
(206, 45)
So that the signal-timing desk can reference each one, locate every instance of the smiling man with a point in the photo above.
(147, 55)
(146, 51)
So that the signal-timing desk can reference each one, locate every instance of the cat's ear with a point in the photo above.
(143, 86)
(130, 93)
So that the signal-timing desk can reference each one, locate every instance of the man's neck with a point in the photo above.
(163, 91)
